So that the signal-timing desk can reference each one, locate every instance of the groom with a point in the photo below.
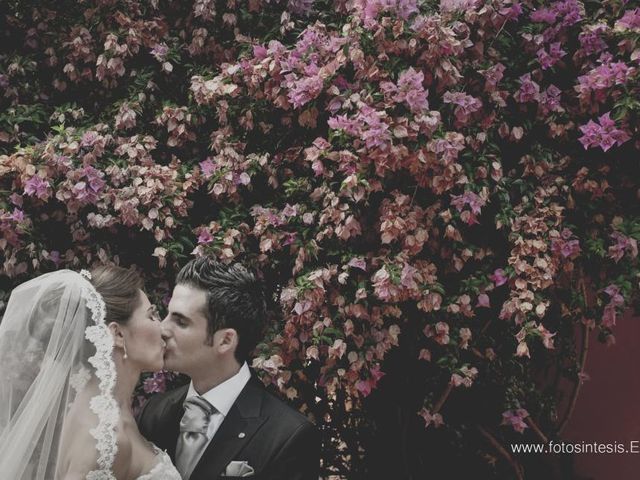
(224, 423)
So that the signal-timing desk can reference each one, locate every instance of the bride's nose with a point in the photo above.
(165, 332)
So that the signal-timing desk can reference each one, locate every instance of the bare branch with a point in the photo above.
(517, 468)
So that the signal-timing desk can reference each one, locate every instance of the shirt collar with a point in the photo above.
(223, 396)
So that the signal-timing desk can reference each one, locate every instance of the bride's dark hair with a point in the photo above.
(119, 288)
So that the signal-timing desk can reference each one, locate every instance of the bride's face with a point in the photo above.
(143, 336)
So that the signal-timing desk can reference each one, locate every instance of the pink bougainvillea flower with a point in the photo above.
(629, 21)
(409, 90)
(36, 186)
(473, 200)
(566, 248)
(515, 419)
(591, 40)
(499, 277)
(475, 203)
(483, 301)
(603, 134)
(465, 104)
(357, 262)
(616, 300)
(431, 419)
(424, 354)
(160, 51)
(372, 8)
(549, 58)
(208, 168)
(338, 349)
(439, 332)
(523, 350)
(464, 377)
(300, 7)
(623, 245)
(465, 336)
(205, 237)
(55, 257)
(458, 5)
(614, 292)
(156, 383)
(365, 387)
(547, 337)
(529, 90)
(493, 76)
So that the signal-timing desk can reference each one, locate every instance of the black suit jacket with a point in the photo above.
(277, 441)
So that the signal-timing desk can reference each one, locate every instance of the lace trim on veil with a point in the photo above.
(104, 404)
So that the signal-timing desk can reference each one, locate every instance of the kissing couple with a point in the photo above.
(73, 346)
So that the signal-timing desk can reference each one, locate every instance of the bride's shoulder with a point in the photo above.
(79, 445)
(137, 452)
(134, 455)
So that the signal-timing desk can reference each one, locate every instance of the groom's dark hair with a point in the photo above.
(235, 299)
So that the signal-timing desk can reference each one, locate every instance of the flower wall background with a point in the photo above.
(443, 196)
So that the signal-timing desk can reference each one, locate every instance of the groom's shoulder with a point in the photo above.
(278, 409)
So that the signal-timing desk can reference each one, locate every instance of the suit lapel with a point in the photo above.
(171, 417)
(239, 426)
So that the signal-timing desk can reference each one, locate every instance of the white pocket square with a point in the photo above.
(239, 468)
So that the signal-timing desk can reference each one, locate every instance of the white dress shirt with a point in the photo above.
(222, 397)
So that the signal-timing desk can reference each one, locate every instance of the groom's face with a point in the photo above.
(185, 332)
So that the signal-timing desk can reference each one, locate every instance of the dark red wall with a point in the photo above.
(608, 408)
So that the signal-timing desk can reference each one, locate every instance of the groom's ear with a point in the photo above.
(118, 335)
(228, 340)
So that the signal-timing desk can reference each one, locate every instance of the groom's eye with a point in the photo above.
(180, 321)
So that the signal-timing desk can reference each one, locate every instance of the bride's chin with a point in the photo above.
(155, 367)
(159, 365)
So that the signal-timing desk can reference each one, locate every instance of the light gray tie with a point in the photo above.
(193, 434)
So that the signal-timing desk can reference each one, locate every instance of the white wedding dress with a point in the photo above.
(56, 359)
(163, 470)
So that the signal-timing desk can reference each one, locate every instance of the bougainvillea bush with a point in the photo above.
(442, 196)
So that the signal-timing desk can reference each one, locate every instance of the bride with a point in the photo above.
(72, 347)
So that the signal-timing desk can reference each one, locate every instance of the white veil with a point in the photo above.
(55, 348)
